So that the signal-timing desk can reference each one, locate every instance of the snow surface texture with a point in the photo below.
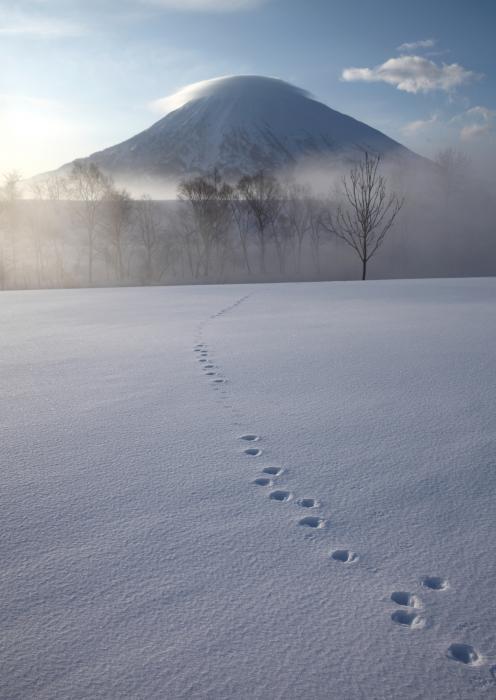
(271, 491)
(241, 124)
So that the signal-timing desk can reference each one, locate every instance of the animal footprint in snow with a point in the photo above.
(312, 521)
(209, 366)
(435, 583)
(210, 374)
(218, 381)
(344, 555)
(282, 496)
(263, 481)
(464, 653)
(308, 503)
(408, 618)
(407, 599)
(273, 471)
(249, 438)
(253, 452)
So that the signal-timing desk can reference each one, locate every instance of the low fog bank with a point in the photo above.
(89, 232)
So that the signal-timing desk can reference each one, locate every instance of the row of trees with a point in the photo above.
(288, 217)
(81, 229)
(78, 231)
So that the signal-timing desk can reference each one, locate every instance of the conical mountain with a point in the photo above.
(241, 124)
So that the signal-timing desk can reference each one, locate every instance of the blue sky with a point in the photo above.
(79, 76)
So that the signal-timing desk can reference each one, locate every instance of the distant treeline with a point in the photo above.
(81, 230)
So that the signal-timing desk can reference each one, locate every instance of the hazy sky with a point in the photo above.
(77, 76)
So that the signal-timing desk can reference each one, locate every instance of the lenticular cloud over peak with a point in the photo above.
(223, 86)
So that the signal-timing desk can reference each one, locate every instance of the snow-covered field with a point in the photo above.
(148, 553)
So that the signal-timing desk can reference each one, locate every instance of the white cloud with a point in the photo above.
(472, 131)
(413, 45)
(470, 125)
(21, 24)
(418, 125)
(207, 5)
(413, 74)
(167, 104)
(481, 112)
(475, 122)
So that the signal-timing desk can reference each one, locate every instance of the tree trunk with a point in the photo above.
(262, 255)
(149, 266)
(245, 254)
(364, 269)
(90, 264)
(120, 263)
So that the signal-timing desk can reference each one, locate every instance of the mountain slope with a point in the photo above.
(241, 124)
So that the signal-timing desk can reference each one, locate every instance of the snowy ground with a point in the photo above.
(140, 557)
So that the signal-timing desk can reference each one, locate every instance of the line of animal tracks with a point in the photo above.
(408, 607)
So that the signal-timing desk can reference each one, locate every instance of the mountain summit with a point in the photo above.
(241, 124)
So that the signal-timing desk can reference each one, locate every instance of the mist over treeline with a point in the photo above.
(82, 230)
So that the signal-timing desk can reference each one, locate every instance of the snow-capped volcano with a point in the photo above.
(241, 124)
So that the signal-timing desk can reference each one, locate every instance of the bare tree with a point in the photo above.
(35, 228)
(282, 236)
(44, 223)
(316, 229)
(89, 186)
(148, 228)
(158, 244)
(369, 211)
(186, 232)
(241, 214)
(263, 195)
(208, 199)
(454, 167)
(11, 195)
(3, 256)
(118, 213)
(298, 211)
(53, 191)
